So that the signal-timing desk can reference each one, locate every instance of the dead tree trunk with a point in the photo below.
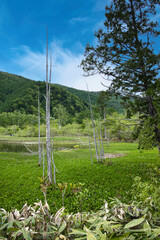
(48, 144)
(54, 166)
(99, 146)
(43, 160)
(95, 141)
(108, 139)
(105, 134)
(90, 146)
(39, 132)
(102, 148)
(90, 150)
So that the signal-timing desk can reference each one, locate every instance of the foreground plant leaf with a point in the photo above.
(90, 235)
(26, 235)
(134, 223)
(156, 231)
(62, 228)
(78, 232)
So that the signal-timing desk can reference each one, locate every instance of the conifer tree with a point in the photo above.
(126, 54)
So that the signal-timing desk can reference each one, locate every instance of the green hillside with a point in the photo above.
(21, 94)
(82, 94)
(113, 102)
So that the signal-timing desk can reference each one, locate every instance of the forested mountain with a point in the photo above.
(21, 94)
(82, 94)
(113, 102)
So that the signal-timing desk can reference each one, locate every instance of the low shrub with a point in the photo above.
(115, 221)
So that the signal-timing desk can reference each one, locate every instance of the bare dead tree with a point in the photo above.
(90, 150)
(105, 134)
(48, 144)
(53, 162)
(102, 148)
(93, 125)
(108, 143)
(39, 131)
(43, 160)
(99, 146)
(90, 146)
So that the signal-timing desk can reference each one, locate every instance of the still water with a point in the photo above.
(6, 146)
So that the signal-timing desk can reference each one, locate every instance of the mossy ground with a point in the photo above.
(20, 175)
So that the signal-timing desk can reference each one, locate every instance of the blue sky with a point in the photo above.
(71, 24)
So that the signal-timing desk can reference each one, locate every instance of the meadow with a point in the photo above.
(80, 185)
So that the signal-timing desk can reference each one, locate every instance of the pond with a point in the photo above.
(6, 146)
(28, 147)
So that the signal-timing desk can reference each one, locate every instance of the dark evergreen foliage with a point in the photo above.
(125, 53)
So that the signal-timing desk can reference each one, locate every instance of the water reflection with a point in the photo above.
(17, 147)
(9, 146)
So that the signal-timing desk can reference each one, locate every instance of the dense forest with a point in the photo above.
(21, 94)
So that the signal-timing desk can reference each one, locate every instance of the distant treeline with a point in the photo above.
(18, 119)
(20, 94)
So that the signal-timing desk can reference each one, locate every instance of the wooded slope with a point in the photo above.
(21, 94)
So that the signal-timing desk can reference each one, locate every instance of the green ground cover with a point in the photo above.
(21, 178)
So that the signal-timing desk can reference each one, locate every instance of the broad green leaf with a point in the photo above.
(62, 237)
(123, 237)
(4, 219)
(145, 210)
(136, 230)
(90, 236)
(156, 231)
(114, 226)
(100, 234)
(62, 228)
(103, 237)
(10, 225)
(134, 223)
(3, 238)
(108, 223)
(4, 226)
(97, 222)
(92, 220)
(147, 227)
(26, 235)
(80, 238)
(50, 233)
(15, 234)
(13, 229)
(19, 224)
(78, 232)
(30, 219)
(54, 228)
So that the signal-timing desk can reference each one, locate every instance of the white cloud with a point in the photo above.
(65, 68)
(78, 19)
(30, 64)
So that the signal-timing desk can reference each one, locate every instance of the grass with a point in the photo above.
(20, 175)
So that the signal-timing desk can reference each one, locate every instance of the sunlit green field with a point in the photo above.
(21, 177)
